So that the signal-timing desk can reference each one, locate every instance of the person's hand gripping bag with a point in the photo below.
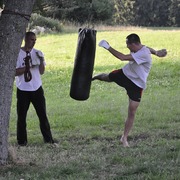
(83, 64)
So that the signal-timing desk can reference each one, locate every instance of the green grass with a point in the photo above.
(89, 131)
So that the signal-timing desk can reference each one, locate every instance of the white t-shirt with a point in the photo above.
(138, 70)
(35, 82)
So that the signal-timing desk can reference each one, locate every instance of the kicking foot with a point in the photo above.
(124, 142)
(94, 78)
(102, 77)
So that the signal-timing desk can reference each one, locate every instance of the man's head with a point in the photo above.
(30, 39)
(133, 42)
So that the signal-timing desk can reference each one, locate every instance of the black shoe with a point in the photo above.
(54, 141)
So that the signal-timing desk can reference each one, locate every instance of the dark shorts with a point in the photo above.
(134, 92)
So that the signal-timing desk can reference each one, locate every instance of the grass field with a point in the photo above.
(89, 131)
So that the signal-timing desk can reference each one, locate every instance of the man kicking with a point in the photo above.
(132, 76)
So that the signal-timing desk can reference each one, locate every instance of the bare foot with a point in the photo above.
(124, 142)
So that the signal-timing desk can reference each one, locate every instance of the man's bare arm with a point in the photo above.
(159, 53)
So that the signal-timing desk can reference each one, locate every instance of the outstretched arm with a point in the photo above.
(121, 56)
(114, 52)
(159, 53)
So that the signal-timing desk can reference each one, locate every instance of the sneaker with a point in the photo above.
(54, 141)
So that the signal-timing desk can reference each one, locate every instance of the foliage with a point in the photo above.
(102, 10)
(174, 10)
(89, 131)
(85, 11)
(48, 23)
(80, 12)
(124, 13)
(147, 13)
(153, 13)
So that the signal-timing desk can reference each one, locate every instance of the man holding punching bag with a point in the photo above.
(132, 76)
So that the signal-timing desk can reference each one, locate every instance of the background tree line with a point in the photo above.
(114, 12)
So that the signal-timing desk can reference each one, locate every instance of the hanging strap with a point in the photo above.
(27, 73)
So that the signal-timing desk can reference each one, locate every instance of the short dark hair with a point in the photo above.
(29, 33)
(133, 38)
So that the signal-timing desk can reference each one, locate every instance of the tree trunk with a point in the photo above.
(13, 22)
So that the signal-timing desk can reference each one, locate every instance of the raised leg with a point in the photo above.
(102, 77)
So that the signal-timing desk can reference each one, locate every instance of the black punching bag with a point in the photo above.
(83, 64)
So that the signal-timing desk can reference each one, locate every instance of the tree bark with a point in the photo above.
(13, 22)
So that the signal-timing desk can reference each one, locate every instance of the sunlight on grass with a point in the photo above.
(89, 131)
